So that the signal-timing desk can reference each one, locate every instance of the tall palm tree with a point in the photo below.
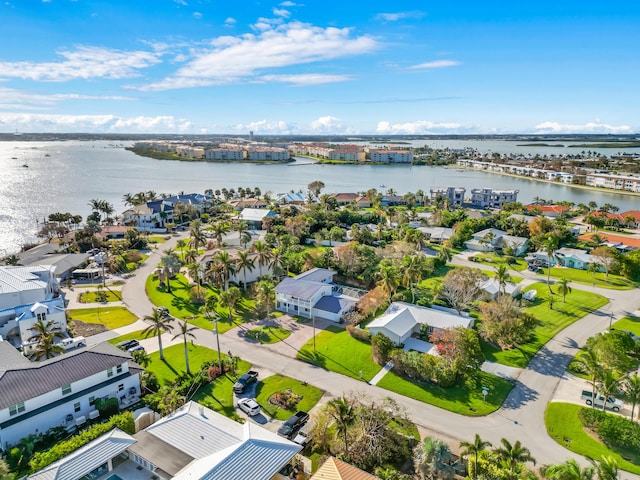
(445, 255)
(608, 384)
(227, 266)
(211, 312)
(569, 470)
(180, 244)
(219, 229)
(170, 266)
(46, 348)
(241, 228)
(413, 269)
(43, 328)
(244, 262)
(433, 459)
(632, 391)
(194, 272)
(197, 235)
(190, 256)
(343, 413)
(513, 456)
(550, 246)
(503, 277)
(606, 468)
(388, 277)
(263, 254)
(266, 295)
(589, 363)
(185, 331)
(278, 262)
(563, 288)
(158, 325)
(230, 298)
(474, 448)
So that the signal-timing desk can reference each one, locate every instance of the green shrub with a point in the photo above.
(107, 407)
(359, 334)
(381, 348)
(613, 429)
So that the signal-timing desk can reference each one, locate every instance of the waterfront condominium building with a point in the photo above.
(490, 198)
(391, 156)
(455, 195)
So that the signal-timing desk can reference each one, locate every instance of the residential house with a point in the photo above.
(492, 288)
(551, 211)
(297, 198)
(29, 294)
(492, 239)
(437, 234)
(192, 443)
(521, 218)
(490, 198)
(254, 217)
(455, 195)
(313, 294)
(61, 391)
(403, 320)
(151, 216)
(629, 219)
(240, 204)
(334, 469)
(620, 242)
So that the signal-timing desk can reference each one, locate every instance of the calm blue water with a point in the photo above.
(75, 172)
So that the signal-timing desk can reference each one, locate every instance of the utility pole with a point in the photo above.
(218, 342)
(313, 319)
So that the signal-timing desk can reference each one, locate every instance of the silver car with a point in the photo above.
(249, 406)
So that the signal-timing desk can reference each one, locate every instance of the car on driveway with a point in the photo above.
(249, 406)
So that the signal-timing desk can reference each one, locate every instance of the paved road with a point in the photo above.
(520, 418)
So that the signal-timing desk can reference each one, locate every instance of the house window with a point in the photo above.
(119, 369)
(42, 316)
(92, 401)
(109, 372)
(15, 409)
(66, 389)
(121, 387)
(76, 407)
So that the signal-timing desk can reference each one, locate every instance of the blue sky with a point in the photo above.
(299, 67)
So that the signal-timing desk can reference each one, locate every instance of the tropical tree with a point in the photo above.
(230, 298)
(432, 459)
(563, 288)
(197, 235)
(444, 254)
(503, 277)
(413, 267)
(43, 328)
(185, 331)
(219, 229)
(244, 262)
(343, 413)
(46, 348)
(589, 363)
(265, 295)
(550, 246)
(194, 272)
(474, 448)
(606, 468)
(631, 386)
(388, 277)
(170, 264)
(569, 470)
(608, 384)
(263, 254)
(211, 312)
(226, 264)
(513, 456)
(158, 324)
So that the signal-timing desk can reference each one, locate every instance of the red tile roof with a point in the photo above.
(548, 208)
(611, 238)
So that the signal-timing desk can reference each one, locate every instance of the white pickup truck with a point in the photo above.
(611, 402)
(75, 342)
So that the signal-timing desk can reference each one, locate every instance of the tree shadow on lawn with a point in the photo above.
(182, 304)
(321, 360)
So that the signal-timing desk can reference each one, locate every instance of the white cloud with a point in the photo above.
(267, 127)
(436, 64)
(197, 15)
(180, 2)
(421, 127)
(229, 22)
(327, 124)
(287, 4)
(304, 79)
(394, 17)
(231, 59)
(83, 63)
(281, 12)
(14, 99)
(589, 127)
(35, 122)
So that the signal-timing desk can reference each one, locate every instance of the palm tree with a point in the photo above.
(244, 262)
(265, 295)
(241, 227)
(230, 298)
(632, 391)
(563, 288)
(219, 229)
(474, 448)
(569, 470)
(608, 384)
(185, 331)
(180, 244)
(197, 236)
(413, 268)
(343, 413)
(513, 456)
(433, 458)
(194, 272)
(211, 312)
(388, 276)
(158, 325)
(170, 266)
(589, 363)
(550, 246)
(263, 254)
(190, 256)
(278, 262)
(43, 328)
(46, 348)
(606, 468)
(445, 255)
(503, 277)
(227, 266)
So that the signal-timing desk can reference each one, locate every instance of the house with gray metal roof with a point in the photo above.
(61, 391)
(313, 294)
(254, 217)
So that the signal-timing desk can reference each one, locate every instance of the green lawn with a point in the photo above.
(158, 238)
(180, 306)
(174, 362)
(579, 303)
(110, 317)
(563, 422)
(90, 297)
(614, 282)
(495, 260)
(458, 399)
(338, 352)
(269, 334)
(629, 323)
(137, 335)
(277, 383)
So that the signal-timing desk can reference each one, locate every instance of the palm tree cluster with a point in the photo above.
(100, 207)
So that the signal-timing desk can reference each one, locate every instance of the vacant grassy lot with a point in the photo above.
(630, 324)
(91, 297)
(566, 428)
(613, 282)
(278, 383)
(110, 317)
(461, 399)
(337, 351)
(269, 334)
(495, 260)
(578, 304)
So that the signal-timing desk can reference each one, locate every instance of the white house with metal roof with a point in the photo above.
(491, 239)
(61, 391)
(29, 294)
(254, 217)
(313, 294)
(401, 320)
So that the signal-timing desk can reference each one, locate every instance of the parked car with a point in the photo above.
(135, 348)
(290, 427)
(249, 406)
(611, 403)
(127, 344)
(244, 381)
(304, 434)
(75, 342)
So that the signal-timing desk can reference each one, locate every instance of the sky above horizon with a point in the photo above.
(311, 67)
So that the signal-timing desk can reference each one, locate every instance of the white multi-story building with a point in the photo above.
(29, 294)
(455, 195)
(267, 153)
(490, 198)
(61, 391)
(615, 182)
(224, 154)
(391, 156)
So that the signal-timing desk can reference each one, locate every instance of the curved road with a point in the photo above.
(521, 417)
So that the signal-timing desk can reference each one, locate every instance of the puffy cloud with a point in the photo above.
(420, 127)
(267, 127)
(83, 63)
(287, 4)
(30, 122)
(239, 58)
(15, 99)
(303, 79)
(436, 64)
(589, 127)
(394, 17)
(327, 124)
(229, 22)
(197, 15)
(281, 12)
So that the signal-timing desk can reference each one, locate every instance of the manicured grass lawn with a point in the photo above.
(180, 306)
(579, 303)
(174, 362)
(629, 323)
(563, 422)
(494, 260)
(458, 399)
(110, 317)
(158, 238)
(338, 352)
(277, 383)
(614, 282)
(269, 334)
(435, 279)
(90, 297)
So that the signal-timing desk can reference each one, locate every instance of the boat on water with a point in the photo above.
(24, 165)
(14, 158)
(47, 155)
